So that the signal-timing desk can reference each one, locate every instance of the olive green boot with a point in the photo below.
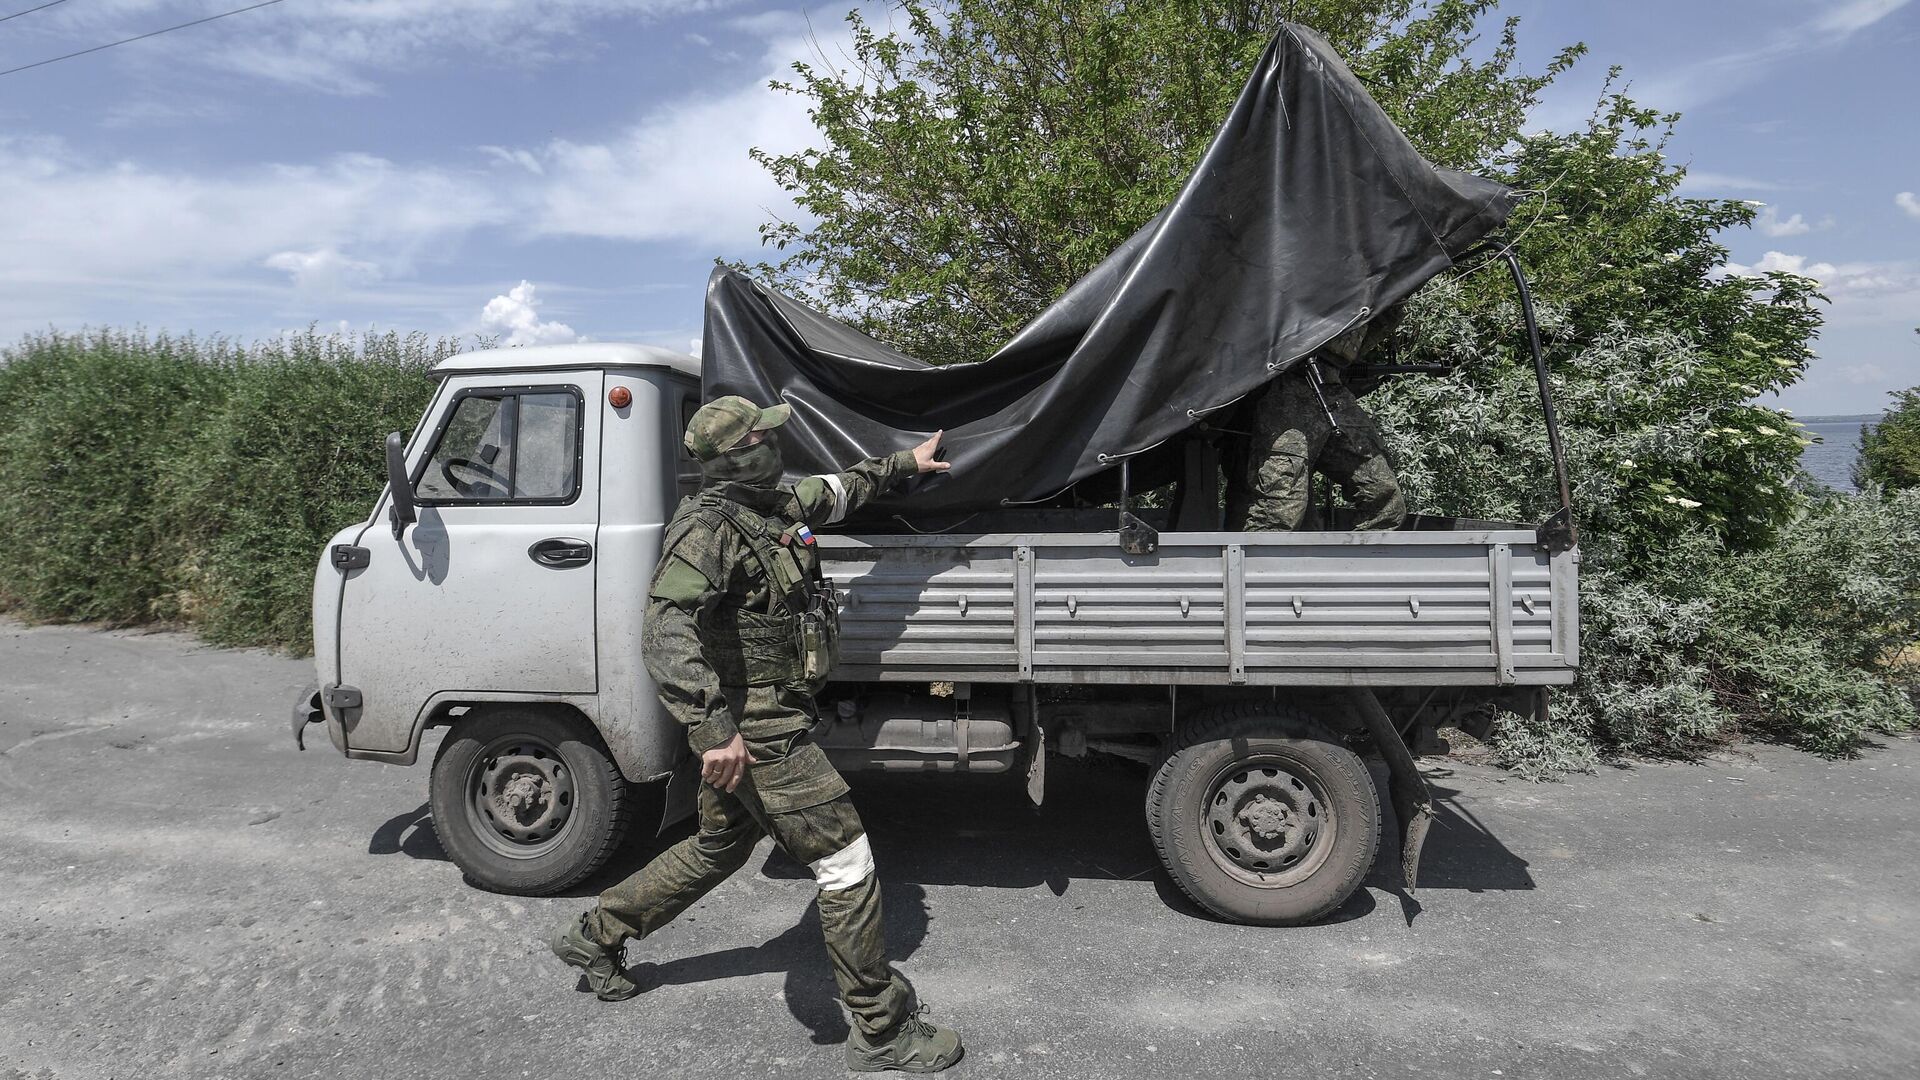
(606, 976)
(915, 1045)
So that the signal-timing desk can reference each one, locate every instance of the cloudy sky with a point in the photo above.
(572, 167)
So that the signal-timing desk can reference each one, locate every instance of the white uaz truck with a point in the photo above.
(498, 586)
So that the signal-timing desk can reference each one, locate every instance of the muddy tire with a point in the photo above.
(1261, 817)
(527, 801)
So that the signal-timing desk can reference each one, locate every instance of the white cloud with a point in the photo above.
(1717, 76)
(515, 317)
(682, 172)
(1864, 374)
(1857, 15)
(85, 233)
(74, 219)
(1770, 222)
(520, 159)
(1908, 202)
(345, 46)
(1783, 263)
(1865, 292)
(1707, 182)
(322, 270)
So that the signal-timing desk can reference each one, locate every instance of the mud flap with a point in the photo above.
(1036, 749)
(1412, 802)
(306, 710)
(1037, 765)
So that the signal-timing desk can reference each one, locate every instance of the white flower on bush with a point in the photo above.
(1683, 503)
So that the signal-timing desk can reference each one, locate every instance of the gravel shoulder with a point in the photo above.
(184, 894)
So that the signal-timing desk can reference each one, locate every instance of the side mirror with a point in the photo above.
(400, 511)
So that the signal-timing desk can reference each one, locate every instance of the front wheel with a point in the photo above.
(527, 801)
(1261, 817)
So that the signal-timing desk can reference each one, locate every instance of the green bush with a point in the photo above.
(1722, 596)
(1890, 447)
(297, 453)
(92, 418)
(953, 195)
(153, 478)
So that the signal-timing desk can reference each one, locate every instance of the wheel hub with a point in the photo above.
(524, 792)
(1266, 825)
(1267, 819)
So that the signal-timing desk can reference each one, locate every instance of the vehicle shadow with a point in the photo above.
(1461, 852)
(942, 829)
(409, 834)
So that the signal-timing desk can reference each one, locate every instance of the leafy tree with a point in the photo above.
(981, 161)
(976, 164)
(1656, 354)
(1890, 449)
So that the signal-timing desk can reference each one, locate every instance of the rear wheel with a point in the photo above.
(527, 801)
(1261, 817)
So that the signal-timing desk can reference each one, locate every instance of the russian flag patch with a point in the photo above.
(805, 534)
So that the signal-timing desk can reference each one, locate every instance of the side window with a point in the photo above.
(687, 467)
(506, 446)
(549, 447)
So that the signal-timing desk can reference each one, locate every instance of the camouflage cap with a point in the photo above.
(720, 424)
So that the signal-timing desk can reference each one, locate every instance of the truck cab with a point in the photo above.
(498, 585)
(539, 507)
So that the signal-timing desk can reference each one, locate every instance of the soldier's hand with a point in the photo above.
(724, 765)
(923, 455)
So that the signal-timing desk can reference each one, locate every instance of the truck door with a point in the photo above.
(492, 589)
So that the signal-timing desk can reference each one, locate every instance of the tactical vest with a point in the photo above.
(796, 644)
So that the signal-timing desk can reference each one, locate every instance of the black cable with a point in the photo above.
(31, 10)
(138, 37)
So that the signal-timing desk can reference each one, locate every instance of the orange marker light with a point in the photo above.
(619, 397)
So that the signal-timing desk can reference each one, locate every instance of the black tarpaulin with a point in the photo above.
(1309, 212)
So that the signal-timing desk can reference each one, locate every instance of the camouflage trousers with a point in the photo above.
(825, 836)
(1292, 438)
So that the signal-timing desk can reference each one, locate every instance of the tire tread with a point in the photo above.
(619, 797)
(1225, 722)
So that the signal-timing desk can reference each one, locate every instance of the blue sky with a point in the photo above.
(573, 167)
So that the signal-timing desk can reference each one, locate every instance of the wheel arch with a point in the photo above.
(448, 707)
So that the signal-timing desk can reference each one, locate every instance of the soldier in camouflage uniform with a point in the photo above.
(1292, 437)
(739, 636)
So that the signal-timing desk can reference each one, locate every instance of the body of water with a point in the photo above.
(1831, 459)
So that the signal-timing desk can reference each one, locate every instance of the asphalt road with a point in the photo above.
(182, 894)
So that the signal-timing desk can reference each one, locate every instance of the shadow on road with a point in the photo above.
(1461, 853)
(800, 954)
(936, 829)
(410, 833)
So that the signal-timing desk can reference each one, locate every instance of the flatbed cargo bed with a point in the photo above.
(1488, 605)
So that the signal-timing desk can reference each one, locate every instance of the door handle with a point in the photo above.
(561, 551)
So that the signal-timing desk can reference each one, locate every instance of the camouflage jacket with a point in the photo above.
(711, 568)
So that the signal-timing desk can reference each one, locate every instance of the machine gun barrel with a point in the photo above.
(1315, 380)
(1367, 371)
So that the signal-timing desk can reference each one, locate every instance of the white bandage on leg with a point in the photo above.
(845, 868)
(839, 496)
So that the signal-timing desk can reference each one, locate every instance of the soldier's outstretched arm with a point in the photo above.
(830, 497)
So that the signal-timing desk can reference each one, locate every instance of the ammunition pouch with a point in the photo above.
(820, 637)
(796, 645)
